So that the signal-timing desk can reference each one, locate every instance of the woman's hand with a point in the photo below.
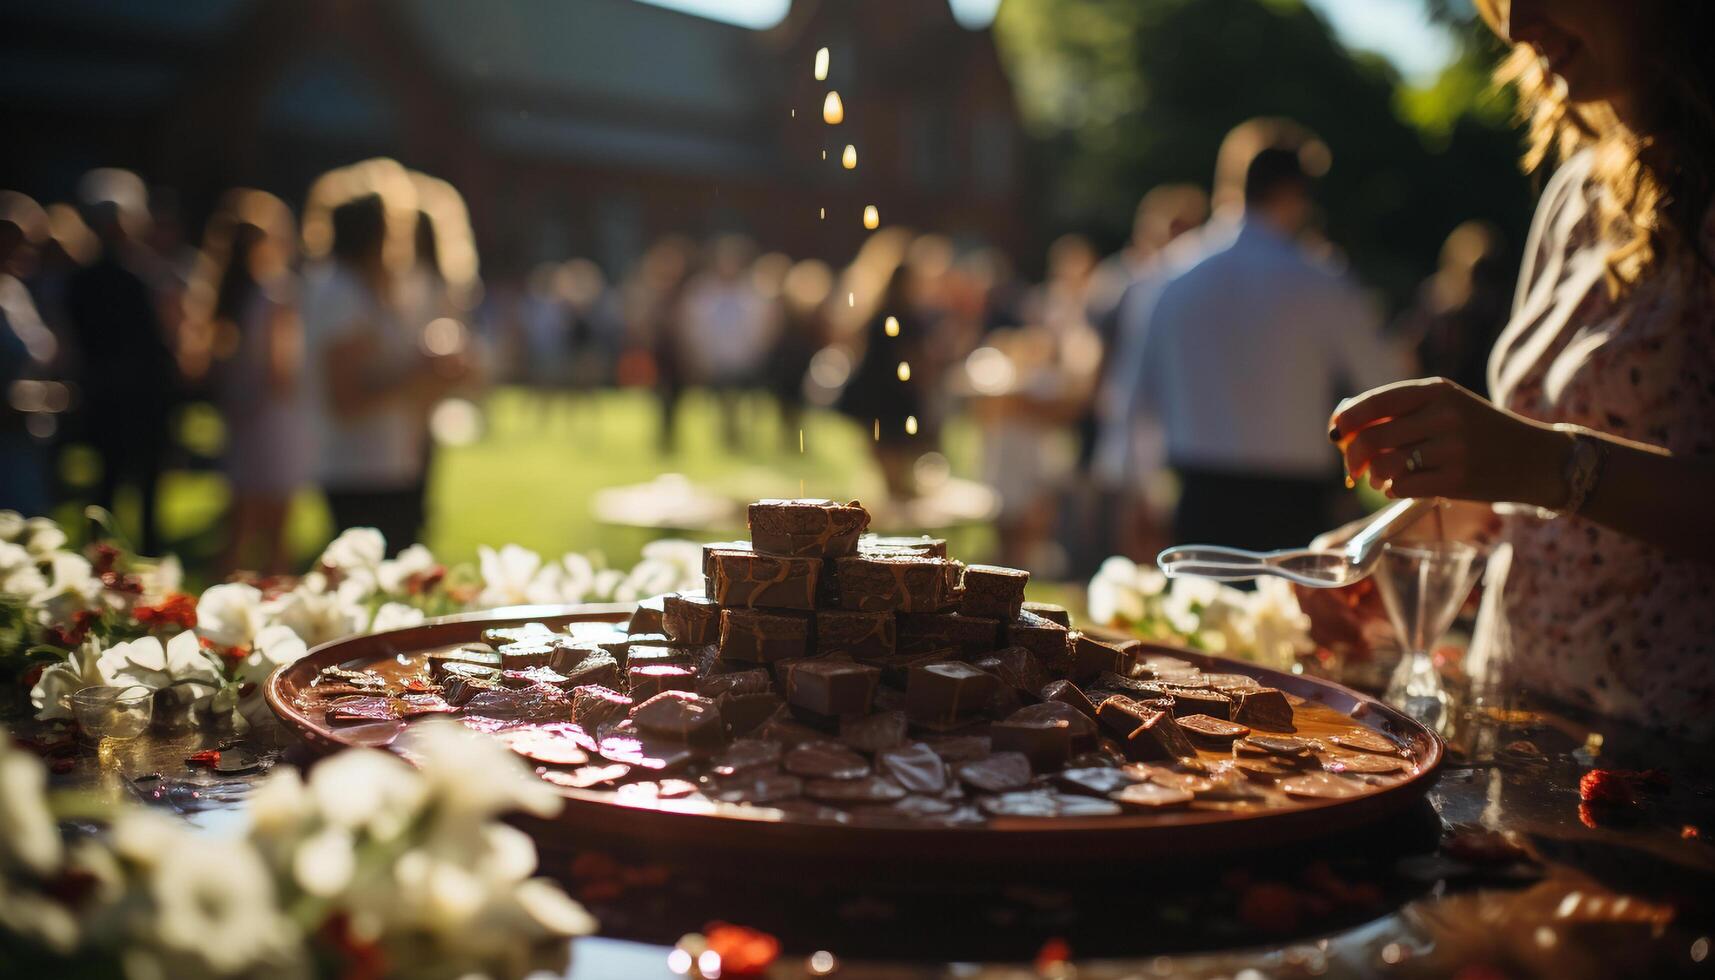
(1432, 438)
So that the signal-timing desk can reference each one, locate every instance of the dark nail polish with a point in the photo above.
(1333, 433)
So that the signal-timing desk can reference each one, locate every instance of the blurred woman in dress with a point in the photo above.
(1593, 468)
(243, 297)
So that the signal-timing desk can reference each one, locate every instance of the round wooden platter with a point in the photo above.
(719, 833)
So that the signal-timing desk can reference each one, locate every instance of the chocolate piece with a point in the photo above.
(646, 682)
(537, 703)
(885, 545)
(737, 682)
(363, 707)
(499, 636)
(993, 592)
(744, 712)
(971, 636)
(1285, 746)
(1048, 640)
(1094, 780)
(747, 578)
(872, 733)
(1162, 776)
(1040, 805)
(680, 715)
(690, 619)
(480, 657)
(459, 690)
(1196, 701)
(535, 675)
(1321, 786)
(558, 744)
(859, 635)
(1045, 733)
(1361, 762)
(594, 706)
(1365, 740)
(896, 670)
(468, 671)
(869, 789)
(754, 636)
(1150, 796)
(585, 777)
(806, 528)
(1019, 670)
(959, 748)
(825, 760)
(1215, 729)
(1050, 612)
(1067, 692)
(746, 753)
(914, 766)
(1264, 707)
(650, 654)
(596, 667)
(529, 653)
(879, 583)
(1145, 733)
(1090, 657)
(758, 787)
(583, 632)
(644, 752)
(647, 617)
(569, 652)
(998, 773)
(942, 693)
(831, 688)
(1227, 683)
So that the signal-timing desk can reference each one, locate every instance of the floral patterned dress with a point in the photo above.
(1581, 613)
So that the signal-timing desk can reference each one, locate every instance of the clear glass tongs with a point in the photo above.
(1313, 568)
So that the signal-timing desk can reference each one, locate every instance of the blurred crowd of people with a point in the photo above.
(1163, 392)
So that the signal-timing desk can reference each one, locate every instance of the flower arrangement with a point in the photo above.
(108, 617)
(1265, 626)
(369, 867)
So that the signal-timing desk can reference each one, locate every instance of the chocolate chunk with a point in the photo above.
(690, 620)
(439, 662)
(859, 635)
(746, 753)
(869, 789)
(363, 707)
(896, 670)
(1094, 780)
(1321, 786)
(969, 635)
(1150, 796)
(825, 760)
(1050, 612)
(1048, 640)
(736, 682)
(535, 675)
(595, 667)
(1045, 733)
(914, 766)
(1365, 740)
(1214, 729)
(585, 777)
(747, 578)
(650, 654)
(1361, 762)
(879, 583)
(457, 668)
(537, 703)
(1090, 657)
(1019, 670)
(646, 618)
(1195, 701)
(993, 592)
(459, 690)
(998, 773)
(1264, 707)
(1145, 733)
(680, 715)
(644, 752)
(1067, 692)
(942, 693)
(529, 653)
(889, 545)
(584, 632)
(872, 733)
(831, 688)
(959, 748)
(762, 786)
(754, 636)
(499, 636)
(646, 682)
(594, 705)
(744, 712)
(1227, 683)
(558, 744)
(807, 528)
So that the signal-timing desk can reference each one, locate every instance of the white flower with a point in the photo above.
(272, 648)
(42, 537)
(651, 576)
(1187, 600)
(395, 615)
(368, 790)
(19, 573)
(356, 549)
(473, 775)
(515, 576)
(230, 615)
(608, 584)
(80, 670)
(316, 615)
(162, 578)
(11, 525)
(1280, 631)
(579, 577)
(686, 556)
(393, 576)
(72, 588)
(29, 836)
(149, 663)
(214, 902)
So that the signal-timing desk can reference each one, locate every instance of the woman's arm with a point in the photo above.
(1431, 437)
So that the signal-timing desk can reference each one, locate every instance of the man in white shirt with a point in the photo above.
(1244, 351)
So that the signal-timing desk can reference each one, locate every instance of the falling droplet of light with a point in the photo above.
(794, 113)
(833, 111)
(821, 64)
(823, 213)
(824, 154)
(877, 430)
(891, 326)
(871, 217)
(851, 299)
(800, 440)
(848, 159)
(910, 425)
(801, 493)
(904, 371)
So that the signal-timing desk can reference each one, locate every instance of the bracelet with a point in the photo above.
(1584, 466)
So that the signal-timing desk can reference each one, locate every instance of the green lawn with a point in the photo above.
(531, 476)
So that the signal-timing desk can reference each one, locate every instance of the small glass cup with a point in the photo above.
(117, 713)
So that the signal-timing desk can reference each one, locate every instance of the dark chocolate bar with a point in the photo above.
(756, 636)
(1050, 612)
(831, 688)
(1090, 657)
(1263, 707)
(646, 618)
(1047, 639)
(690, 620)
(1045, 733)
(993, 592)
(746, 578)
(806, 528)
(942, 693)
(646, 682)
(1145, 733)
(880, 583)
(1018, 669)
(859, 635)
(925, 546)
(1067, 692)
(971, 636)
(680, 715)
(594, 705)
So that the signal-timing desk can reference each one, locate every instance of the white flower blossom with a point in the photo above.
(11, 525)
(231, 614)
(1280, 631)
(271, 648)
(29, 835)
(147, 662)
(80, 670)
(393, 575)
(20, 573)
(515, 576)
(473, 775)
(42, 537)
(161, 578)
(368, 790)
(72, 587)
(317, 615)
(356, 549)
(215, 904)
(394, 616)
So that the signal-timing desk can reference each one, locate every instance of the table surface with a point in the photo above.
(1422, 895)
